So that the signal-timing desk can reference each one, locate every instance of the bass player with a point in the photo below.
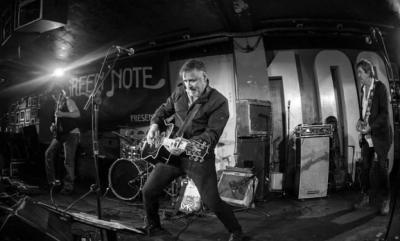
(65, 133)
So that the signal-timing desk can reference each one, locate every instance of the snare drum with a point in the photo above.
(126, 177)
(130, 151)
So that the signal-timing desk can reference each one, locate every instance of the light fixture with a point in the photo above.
(58, 72)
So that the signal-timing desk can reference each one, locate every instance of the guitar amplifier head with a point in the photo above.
(304, 130)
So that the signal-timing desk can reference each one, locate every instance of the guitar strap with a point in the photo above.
(188, 119)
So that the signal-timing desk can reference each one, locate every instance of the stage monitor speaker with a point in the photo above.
(312, 167)
(254, 117)
(237, 187)
(29, 222)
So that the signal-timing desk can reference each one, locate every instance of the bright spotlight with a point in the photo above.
(58, 72)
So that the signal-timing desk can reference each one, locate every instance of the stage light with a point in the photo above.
(58, 72)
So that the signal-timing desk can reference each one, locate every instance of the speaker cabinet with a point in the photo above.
(254, 153)
(254, 117)
(312, 167)
(40, 15)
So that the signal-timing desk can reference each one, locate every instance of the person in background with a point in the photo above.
(334, 151)
(206, 127)
(65, 133)
(375, 138)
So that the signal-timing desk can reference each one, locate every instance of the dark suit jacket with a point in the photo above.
(209, 122)
(381, 131)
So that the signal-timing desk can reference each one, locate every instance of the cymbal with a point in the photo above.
(125, 138)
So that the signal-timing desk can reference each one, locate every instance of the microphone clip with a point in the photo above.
(129, 51)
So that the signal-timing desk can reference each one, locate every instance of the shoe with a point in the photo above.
(363, 203)
(236, 236)
(66, 191)
(385, 207)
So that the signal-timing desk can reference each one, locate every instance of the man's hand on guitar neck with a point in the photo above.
(175, 148)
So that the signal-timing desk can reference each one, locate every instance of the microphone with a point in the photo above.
(374, 32)
(120, 49)
(378, 31)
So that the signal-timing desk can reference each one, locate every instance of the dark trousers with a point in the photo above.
(374, 173)
(205, 178)
(70, 143)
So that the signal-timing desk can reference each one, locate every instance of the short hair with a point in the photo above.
(190, 65)
(331, 120)
(367, 66)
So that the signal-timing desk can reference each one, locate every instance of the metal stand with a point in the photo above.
(94, 101)
(284, 184)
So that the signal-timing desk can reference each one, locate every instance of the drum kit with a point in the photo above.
(128, 174)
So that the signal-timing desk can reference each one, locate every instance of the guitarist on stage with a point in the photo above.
(206, 126)
(376, 138)
(65, 133)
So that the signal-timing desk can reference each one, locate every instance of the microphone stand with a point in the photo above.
(287, 149)
(94, 101)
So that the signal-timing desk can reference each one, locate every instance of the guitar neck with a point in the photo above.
(168, 142)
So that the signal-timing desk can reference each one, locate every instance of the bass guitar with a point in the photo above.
(57, 128)
(158, 152)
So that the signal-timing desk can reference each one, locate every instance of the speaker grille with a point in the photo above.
(254, 117)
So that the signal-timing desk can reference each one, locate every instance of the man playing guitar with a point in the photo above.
(201, 113)
(376, 138)
(65, 133)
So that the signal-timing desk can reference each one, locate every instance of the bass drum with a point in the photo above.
(126, 177)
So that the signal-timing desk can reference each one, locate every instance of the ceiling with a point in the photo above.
(95, 25)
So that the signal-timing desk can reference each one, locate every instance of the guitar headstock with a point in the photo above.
(197, 150)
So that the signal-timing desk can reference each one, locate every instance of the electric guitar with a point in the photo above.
(361, 125)
(157, 151)
(57, 128)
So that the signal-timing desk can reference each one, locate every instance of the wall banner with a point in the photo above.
(132, 91)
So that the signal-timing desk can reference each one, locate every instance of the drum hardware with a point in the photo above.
(126, 178)
(134, 180)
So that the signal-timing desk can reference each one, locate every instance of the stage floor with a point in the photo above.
(277, 218)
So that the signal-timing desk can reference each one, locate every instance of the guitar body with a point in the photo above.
(158, 152)
(361, 138)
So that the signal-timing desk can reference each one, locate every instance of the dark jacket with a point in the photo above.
(378, 120)
(209, 122)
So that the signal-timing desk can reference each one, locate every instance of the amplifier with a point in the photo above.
(305, 130)
(237, 187)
